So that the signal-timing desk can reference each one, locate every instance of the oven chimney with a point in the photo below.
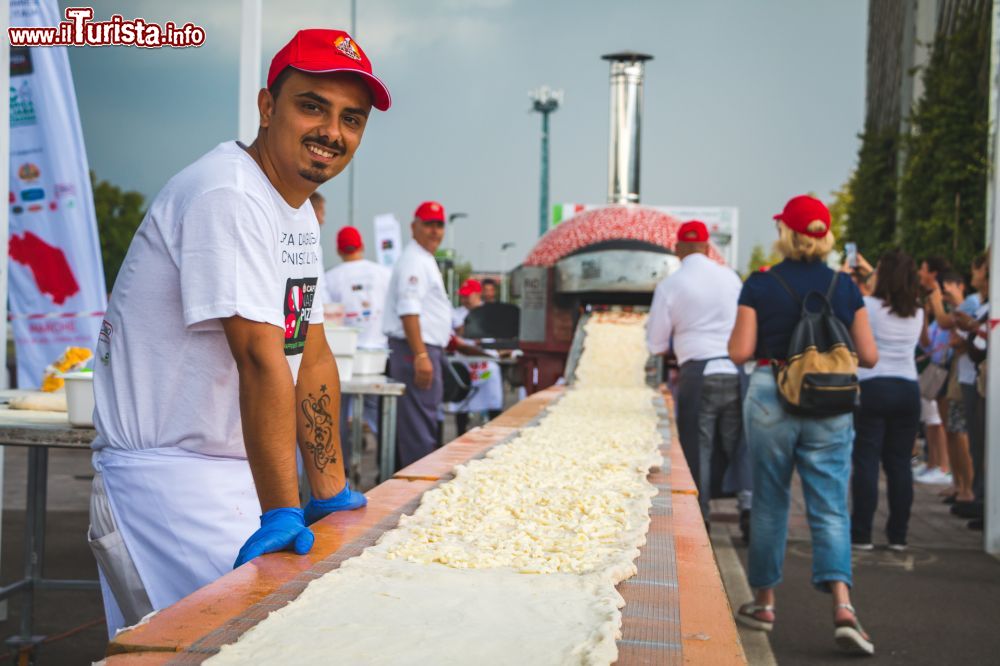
(626, 119)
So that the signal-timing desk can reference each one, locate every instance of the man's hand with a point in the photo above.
(423, 371)
(280, 529)
(965, 321)
(953, 293)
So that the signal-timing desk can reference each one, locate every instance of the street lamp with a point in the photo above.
(453, 275)
(451, 240)
(544, 100)
(503, 270)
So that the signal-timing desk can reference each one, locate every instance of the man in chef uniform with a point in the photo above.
(213, 360)
(359, 285)
(418, 322)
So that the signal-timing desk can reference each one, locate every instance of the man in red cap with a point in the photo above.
(418, 323)
(359, 285)
(470, 295)
(693, 312)
(211, 371)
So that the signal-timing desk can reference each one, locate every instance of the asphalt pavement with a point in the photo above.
(938, 603)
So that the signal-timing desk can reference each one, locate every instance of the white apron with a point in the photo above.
(487, 388)
(182, 516)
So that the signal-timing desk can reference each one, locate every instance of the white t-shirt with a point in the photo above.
(896, 339)
(416, 288)
(458, 316)
(217, 241)
(360, 286)
(696, 307)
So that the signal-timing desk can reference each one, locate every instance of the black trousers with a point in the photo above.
(885, 427)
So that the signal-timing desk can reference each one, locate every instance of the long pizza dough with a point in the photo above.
(515, 560)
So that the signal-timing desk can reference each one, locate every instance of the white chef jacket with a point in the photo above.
(360, 287)
(416, 288)
(696, 306)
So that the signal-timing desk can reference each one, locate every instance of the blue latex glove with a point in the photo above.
(346, 500)
(280, 529)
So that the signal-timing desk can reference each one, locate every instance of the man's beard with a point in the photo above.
(317, 174)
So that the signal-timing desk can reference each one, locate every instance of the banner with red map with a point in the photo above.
(57, 294)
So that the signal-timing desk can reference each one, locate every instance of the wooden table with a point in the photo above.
(676, 610)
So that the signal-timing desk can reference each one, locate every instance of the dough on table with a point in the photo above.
(41, 402)
(396, 613)
(516, 559)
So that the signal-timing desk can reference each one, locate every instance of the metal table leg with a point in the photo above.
(387, 439)
(357, 441)
(34, 548)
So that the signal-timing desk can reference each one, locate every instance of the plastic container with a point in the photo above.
(345, 367)
(370, 361)
(343, 340)
(80, 398)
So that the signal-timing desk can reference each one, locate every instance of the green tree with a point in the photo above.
(759, 258)
(869, 197)
(943, 188)
(463, 271)
(839, 208)
(118, 216)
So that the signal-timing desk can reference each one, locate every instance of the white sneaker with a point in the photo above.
(933, 476)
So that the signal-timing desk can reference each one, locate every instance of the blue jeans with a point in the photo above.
(821, 450)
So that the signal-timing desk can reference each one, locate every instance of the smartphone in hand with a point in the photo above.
(851, 251)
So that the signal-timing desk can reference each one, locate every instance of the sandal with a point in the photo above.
(850, 636)
(755, 616)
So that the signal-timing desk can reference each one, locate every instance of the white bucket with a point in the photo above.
(343, 340)
(370, 361)
(345, 367)
(80, 398)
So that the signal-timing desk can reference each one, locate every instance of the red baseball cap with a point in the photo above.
(429, 211)
(470, 286)
(318, 51)
(803, 210)
(349, 240)
(694, 231)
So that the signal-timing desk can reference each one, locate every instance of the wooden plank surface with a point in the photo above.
(708, 629)
(210, 608)
(215, 606)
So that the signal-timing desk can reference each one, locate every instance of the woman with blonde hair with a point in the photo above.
(770, 308)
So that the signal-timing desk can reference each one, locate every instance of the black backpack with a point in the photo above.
(820, 376)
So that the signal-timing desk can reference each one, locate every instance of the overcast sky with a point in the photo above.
(746, 103)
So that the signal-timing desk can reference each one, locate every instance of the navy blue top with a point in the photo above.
(777, 311)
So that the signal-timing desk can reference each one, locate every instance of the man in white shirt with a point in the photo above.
(207, 358)
(359, 285)
(693, 312)
(418, 323)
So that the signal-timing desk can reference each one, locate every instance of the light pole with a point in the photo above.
(503, 270)
(544, 100)
(451, 232)
(452, 286)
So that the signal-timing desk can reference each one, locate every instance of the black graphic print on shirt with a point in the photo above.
(299, 295)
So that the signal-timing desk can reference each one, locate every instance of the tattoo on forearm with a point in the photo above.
(319, 424)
